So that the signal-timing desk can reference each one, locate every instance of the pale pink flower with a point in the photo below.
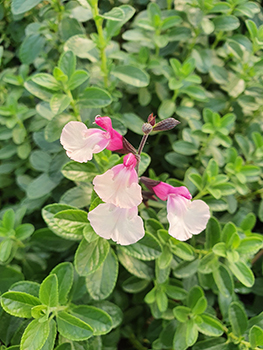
(80, 142)
(119, 185)
(122, 225)
(186, 217)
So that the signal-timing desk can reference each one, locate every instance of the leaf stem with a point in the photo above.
(101, 43)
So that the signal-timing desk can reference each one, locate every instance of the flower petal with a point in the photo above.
(115, 139)
(81, 142)
(123, 226)
(186, 218)
(119, 186)
(162, 190)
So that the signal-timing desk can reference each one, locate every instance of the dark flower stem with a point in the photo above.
(143, 141)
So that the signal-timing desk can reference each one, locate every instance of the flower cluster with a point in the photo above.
(117, 218)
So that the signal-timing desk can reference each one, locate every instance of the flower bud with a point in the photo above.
(166, 124)
(151, 119)
(147, 128)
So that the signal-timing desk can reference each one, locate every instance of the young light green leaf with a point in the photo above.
(19, 304)
(72, 327)
(35, 335)
(48, 293)
(65, 274)
(98, 319)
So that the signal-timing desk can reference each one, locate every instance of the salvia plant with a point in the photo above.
(131, 172)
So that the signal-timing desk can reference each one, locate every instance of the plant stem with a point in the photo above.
(101, 43)
(143, 141)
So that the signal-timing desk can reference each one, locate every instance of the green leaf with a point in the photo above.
(146, 248)
(101, 283)
(212, 344)
(98, 319)
(248, 222)
(72, 327)
(67, 63)
(59, 103)
(65, 274)
(161, 300)
(249, 245)
(38, 91)
(8, 276)
(35, 335)
(200, 306)
(8, 219)
(213, 232)
(196, 92)
(113, 27)
(194, 295)
(21, 6)
(176, 293)
(24, 231)
(180, 342)
(93, 97)
(31, 48)
(84, 172)
(115, 14)
(40, 186)
(210, 326)
(256, 336)
(196, 179)
(48, 293)
(49, 344)
(242, 272)
(166, 109)
(185, 148)
(72, 220)
(47, 81)
(226, 23)
(77, 78)
(54, 127)
(208, 263)
(89, 256)
(6, 250)
(238, 319)
(49, 212)
(19, 304)
(134, 285)
(113, 310)
(80, 46)
(131, 75)
(134, 266)
(181, 313)
(144, 163)
(181, 249)
(186, 269)
(224, 280)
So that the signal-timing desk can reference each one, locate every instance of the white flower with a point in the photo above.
(122, 225)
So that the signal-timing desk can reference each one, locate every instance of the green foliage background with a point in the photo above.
(200, 61)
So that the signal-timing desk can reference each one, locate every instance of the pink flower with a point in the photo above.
(122, 225)
(119, 185)
(186, 217)
(80, 142)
